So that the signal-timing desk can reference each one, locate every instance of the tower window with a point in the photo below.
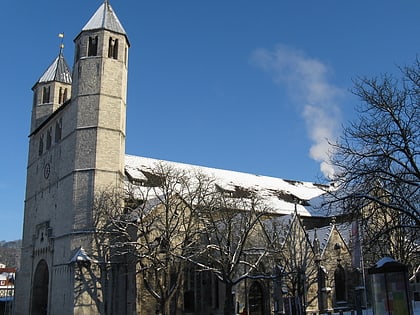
(41, 145)
(113, 48)
(58, 128)
(45, 94)
(49, 138)
(93, 46)
(62, 95)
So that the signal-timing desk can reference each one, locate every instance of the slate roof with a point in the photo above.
(324, 234)
(58, 71)
(105, 18)
(282, 196)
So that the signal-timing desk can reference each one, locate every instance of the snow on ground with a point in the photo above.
(416, 309)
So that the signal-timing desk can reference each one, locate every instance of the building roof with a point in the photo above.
(323, 234)
(58, 71)
(105, 18)
(281, 196)
(81, 256)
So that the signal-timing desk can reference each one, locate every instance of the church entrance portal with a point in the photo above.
(40, 290)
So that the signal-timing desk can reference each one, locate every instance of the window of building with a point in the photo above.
(62, 95)
(65, 95)
(58, 127)
(45, 94)
(41, 145)
(113, 48)
(93, 46)
(340, 283)
(256, 299)
(49, 138)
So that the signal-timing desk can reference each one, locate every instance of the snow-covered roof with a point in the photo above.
(281, 196)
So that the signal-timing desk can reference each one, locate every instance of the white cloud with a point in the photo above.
(306, 80)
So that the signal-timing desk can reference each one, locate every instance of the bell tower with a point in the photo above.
(51, 91)
(76, 151)
(99, 96)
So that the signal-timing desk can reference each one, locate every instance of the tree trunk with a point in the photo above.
(166, 307)
(229, 306)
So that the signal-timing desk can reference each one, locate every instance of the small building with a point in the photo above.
(7, 289)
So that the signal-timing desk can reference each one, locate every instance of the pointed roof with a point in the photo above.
(105, 18)
(81, 256)
(58, 71)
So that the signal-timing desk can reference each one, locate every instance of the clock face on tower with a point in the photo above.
(47, 170)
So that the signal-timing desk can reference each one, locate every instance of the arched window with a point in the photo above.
(256, 299)
(40, 289)
(65, 95)
(93, 46)
(340, 283)
(45, 94)
(62, 95)
(113, 48)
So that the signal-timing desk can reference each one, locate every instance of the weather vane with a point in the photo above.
(61, 35)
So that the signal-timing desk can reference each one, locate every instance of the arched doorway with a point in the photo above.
(40, 289)
(256, 299)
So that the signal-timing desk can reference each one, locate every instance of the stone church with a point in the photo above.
(77, 148)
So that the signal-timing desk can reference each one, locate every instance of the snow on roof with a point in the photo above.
(282, 196)
(81, 256)
(105, 18)
(57, 71)
(383, 261)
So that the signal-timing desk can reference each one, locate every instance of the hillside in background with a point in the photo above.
(10, 253)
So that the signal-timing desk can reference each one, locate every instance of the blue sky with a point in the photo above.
(252, 86)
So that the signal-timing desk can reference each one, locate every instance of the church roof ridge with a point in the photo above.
(58, 71)
(105, 18)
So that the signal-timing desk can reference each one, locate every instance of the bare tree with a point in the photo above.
(157, 231)
(234, 246)
(377, 160)
(294, 255)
